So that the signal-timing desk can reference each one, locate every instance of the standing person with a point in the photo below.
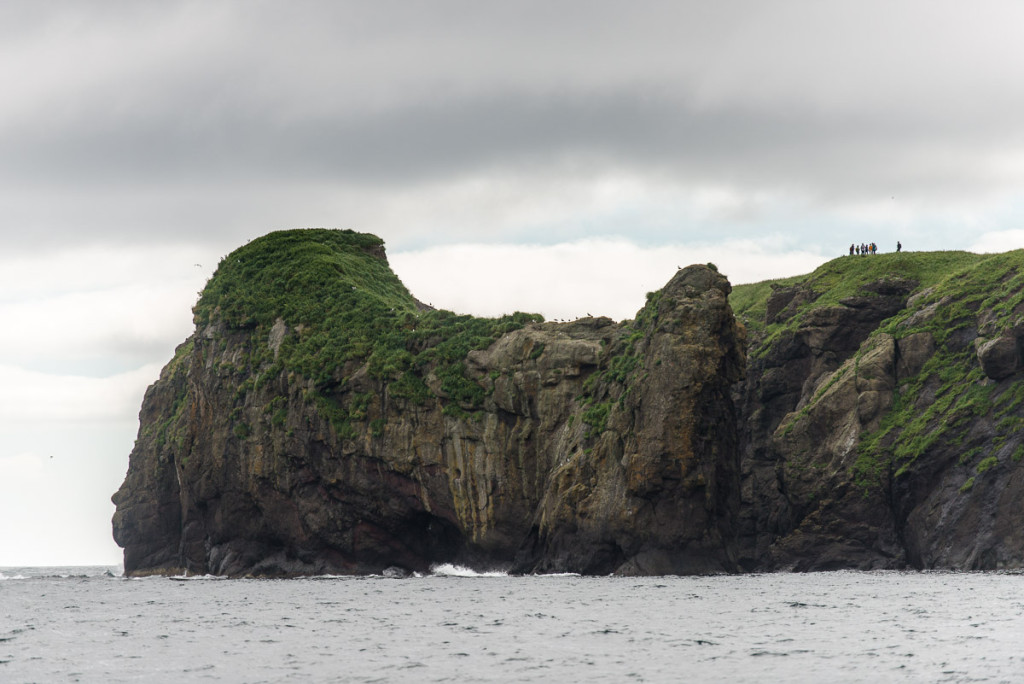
(851, 249)
(899, 247)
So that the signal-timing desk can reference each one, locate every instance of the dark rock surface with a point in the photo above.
(883, 428)
(570, 464)
(866, 449)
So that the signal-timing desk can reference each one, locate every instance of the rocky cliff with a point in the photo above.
(320, 419)
(881, 415)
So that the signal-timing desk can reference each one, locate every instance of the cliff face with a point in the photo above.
(320, 419)
(289, 436)
(882, 428)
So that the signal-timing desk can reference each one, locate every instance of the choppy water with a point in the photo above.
(84, 625)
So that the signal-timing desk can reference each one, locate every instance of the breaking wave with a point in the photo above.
(449, 570)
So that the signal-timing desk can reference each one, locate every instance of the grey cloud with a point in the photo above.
(204, 104)
(641, 132)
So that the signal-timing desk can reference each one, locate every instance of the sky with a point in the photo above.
(554, 157)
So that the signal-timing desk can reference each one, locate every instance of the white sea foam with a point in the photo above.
(195, 578)
(60, 572)
(449, 570)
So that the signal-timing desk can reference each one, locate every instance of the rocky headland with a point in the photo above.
(322, 420)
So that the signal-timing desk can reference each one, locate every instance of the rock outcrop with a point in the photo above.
(589, 446)
(885, 432)
(321, 420)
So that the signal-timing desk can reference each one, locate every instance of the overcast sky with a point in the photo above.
(559, 157)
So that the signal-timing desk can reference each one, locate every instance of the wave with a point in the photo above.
(36, 572)
(195, 578)
(449, 570)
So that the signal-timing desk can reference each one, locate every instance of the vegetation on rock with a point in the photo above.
(321, 419)
(958, 285)
(933, 381)
(334, 291)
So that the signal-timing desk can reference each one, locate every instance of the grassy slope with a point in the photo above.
(994, 288)
(346, 304)
(844, 277)
(964, 286)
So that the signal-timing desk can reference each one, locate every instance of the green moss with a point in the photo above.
(961, 392)
(279, 417)
(987, 464)
(171, 430)
(358, 404)
(458, 387)
(969, 455)
(337, 415)
(966, 486)
(410, 386)
(596, 416)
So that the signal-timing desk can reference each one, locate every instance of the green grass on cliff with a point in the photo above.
(342, 303)
(841, 278)
(959, 289)
(991, 289)
(304, 277)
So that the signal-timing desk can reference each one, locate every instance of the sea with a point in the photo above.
(91, 624)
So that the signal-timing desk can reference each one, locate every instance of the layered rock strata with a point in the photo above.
(321, 420)
(886, 431)
(597, 447)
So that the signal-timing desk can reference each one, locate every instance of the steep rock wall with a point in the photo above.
(590, 447)
(875, 421)
(885, 432)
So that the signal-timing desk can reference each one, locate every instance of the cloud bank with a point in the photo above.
(241, 117)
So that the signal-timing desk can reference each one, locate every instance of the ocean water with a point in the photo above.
(91, 625)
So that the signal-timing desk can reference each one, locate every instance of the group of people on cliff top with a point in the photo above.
(870, 248)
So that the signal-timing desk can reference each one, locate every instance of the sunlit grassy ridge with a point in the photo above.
(337, 295)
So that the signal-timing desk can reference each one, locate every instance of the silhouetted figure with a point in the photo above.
(899, 247)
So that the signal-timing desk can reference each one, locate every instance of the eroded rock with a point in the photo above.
(599, 447)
